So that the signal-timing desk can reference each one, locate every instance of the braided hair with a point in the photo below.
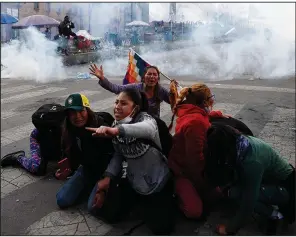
(200, 91)
(220, 154)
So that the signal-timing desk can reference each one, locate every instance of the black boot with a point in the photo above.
(272, 226)
(11, 159)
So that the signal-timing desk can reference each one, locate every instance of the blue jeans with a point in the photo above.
(70, 192)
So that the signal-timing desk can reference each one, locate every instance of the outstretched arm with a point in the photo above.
(145, 129)
(114, 88)
(106, 84)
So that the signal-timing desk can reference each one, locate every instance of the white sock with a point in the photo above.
(276, 214)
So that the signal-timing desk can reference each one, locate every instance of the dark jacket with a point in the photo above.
(65, 28)
(93, 153)
(261, 164)
(233, 122)
(50, 144)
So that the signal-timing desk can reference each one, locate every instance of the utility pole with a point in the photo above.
(173, 9)
(182, 22)
(89, 16)
(131, 11)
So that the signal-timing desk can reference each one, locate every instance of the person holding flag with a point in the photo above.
(138, 69)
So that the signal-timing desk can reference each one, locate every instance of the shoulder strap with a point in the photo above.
(151, 143)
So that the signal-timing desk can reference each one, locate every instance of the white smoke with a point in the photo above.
(267, 52)
(253, 54)
(32, 57)
(260, 54)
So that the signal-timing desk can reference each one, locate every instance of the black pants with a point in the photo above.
(156, 210)
(289, 209)
(68, 34)
(281, 194)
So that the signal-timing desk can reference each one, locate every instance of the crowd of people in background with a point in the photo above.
(131, 158)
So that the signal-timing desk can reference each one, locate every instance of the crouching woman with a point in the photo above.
(88, 155)
(255, 175)
(148, 179)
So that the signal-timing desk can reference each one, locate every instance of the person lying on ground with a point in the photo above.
(89, 155)
(148, 177)
(150, 85)
(254, 173)
(45, 141)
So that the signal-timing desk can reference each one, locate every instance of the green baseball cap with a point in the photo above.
(77, 102)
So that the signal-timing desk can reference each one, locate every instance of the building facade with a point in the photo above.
(85, 16)
(57, 11)
(77, 14)
(12, 9)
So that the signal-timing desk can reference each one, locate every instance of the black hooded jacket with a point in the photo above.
(93, 153)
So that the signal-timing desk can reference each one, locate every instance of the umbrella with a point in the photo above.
(35, 20)
(137, 23)
(8, 19)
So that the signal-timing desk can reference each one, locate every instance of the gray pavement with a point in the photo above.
(28, 204)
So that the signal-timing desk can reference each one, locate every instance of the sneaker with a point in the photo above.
(11, 159)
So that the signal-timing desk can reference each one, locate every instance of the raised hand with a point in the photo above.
(98, 72)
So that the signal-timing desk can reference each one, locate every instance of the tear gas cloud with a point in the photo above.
(266, 50)
(258, 54)
(32, 57)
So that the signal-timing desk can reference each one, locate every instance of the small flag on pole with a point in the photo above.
(135, 68)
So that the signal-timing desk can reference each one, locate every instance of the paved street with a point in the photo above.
(28, 203)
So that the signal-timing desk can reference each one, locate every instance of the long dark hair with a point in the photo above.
(138, 97)
(220, 154)
(68, 131)
(156, 89)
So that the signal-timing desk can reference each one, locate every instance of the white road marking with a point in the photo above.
(251, 88)
(18, 89)
(16, 133)
(28, 95)
(5, 114)
(8, 114)
(238, 87)
(102, 105)
(87, 93)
